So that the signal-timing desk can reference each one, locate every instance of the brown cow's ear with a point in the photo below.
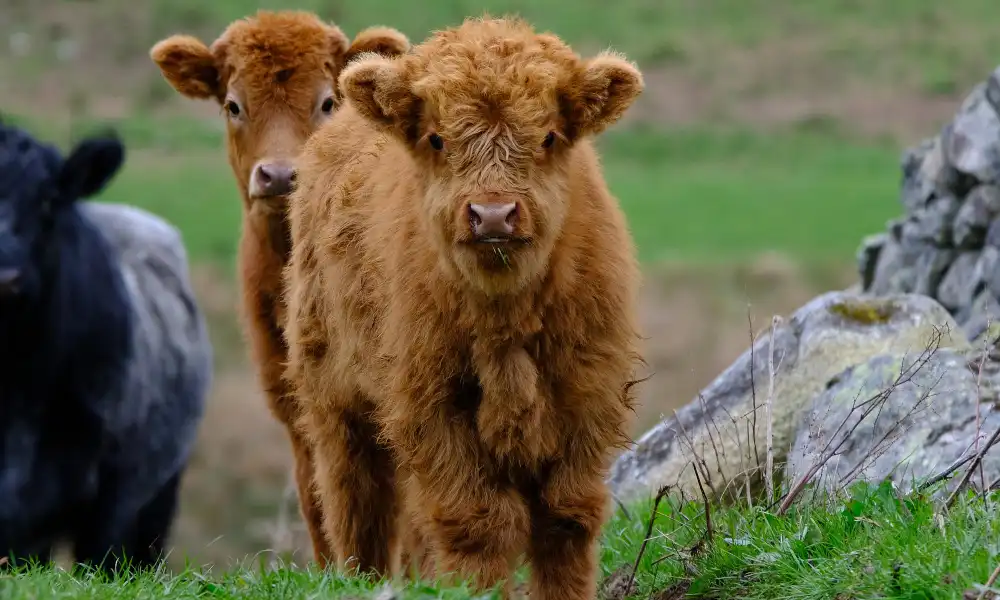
(378, 87)
(188, 65)
(599, 95)
(380, 40)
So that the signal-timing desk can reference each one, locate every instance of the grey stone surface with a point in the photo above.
(829, 334)
(938, 263)
(868, 255)
(972, 140)
(973, 219)
(899, 417)
(958, 286)
(931, 266)
(946, 244)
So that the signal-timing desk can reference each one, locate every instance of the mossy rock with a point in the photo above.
(831, 333)
(866, 311)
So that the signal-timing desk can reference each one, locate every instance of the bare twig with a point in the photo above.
(950, 470)
(979, 424)
(769, 471)
(972, 468)
(989, 583)
(711, 438)
(873, 403)
(694, 451)
(708, 507)
(621, 506)
(744, 469)
(892, 434)
(660, 494)
(752, 439)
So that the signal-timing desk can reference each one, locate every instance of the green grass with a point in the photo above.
(871, 544)
(920, 33)
(695, 194)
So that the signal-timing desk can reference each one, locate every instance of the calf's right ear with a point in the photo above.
(379, 89)
(188, 65)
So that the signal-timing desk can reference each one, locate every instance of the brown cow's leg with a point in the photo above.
(565, 524)
(267, 348)
(356, 480)
(309, 506)
(477, 533)
(416, 560)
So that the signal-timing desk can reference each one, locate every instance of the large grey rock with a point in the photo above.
(981, 206)
(958, 286)
(972, 140)
(931, 266)
(935, 177)
(896, 269)
(904, 417)
(983, 314)
(829, 334)
(932, 224)
(867, 257)
(922, 166)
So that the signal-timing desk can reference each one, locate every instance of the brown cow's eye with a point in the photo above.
(327, 106)
(233, 108)
(436, 142)
(549, 140)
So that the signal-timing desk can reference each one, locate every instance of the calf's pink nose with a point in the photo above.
(492, 220)
(271, 179)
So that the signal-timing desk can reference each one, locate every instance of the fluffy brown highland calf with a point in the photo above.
(274, 75)
(461, 293)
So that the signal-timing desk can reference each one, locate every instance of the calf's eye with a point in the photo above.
(232, 108)
(436, 142)
(549, 140)
(327, 106)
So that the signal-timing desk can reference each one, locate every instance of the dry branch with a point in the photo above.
(869, 406)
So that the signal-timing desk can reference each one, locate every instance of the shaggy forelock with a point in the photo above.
(491, 86)
(260, 48)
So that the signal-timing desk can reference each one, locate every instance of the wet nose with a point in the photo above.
(492, 221)
(10, 280)
(271, 179)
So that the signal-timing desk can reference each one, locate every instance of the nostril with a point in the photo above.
(292, 176)
(263, 175)
(511, 219)
(475, 216)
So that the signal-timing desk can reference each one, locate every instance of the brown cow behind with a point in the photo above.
(461, 294)
(274, 75)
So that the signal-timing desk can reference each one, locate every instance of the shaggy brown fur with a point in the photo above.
(497, 373)
(274, 75)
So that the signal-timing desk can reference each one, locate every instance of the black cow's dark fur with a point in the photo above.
(98, 405)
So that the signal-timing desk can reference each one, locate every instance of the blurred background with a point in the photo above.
(765, 148)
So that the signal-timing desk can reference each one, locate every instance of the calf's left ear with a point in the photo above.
(90, 166)
(603, 89)
(378, 88)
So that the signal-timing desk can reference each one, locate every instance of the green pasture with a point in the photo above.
(691, 194)
(870, 543)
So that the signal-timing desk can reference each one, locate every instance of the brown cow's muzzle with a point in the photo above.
(492, 222)
(271, 179)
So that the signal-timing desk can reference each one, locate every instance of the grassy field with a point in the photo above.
(872, 543)
(765, 147)
(690, 195)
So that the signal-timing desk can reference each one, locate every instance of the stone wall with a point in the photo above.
(947, 242)
(909, 343)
